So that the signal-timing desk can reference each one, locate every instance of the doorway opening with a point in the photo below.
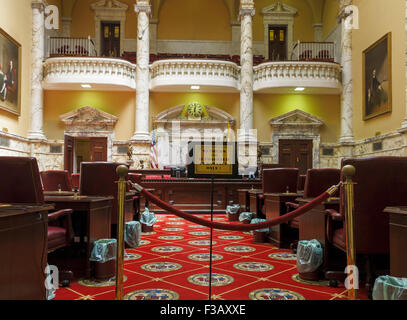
(83, 149)
(277, 43)
(296, 154)
(110, 44)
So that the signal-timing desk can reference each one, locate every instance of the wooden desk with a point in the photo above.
(398, 240)
(23, 250)
(193, 195)
(90, 220)
(275, 207)
(58, 193)
(255, 202)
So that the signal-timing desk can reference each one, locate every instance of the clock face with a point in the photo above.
(195, 110)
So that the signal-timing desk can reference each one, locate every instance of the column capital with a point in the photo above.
(38, 4)
(143, 6)
(247, 8)
(344, 10)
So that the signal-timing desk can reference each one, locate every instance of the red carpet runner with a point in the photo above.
(172, 263)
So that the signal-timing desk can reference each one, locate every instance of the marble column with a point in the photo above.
(247, 12)
(37, 59)
(347, 75)
(318, 31)
(404, 123)
(143, 9)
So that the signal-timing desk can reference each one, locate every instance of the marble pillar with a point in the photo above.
(347, 75)
(37, 59)
(404, 123)
(247, 12)
(318, 31)
(143, 9)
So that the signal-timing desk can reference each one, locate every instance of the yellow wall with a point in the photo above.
(119, 104)
(331, 8)
(376, 18)
(302, 21)
(268, 106)
(194, 20)
(16, 20)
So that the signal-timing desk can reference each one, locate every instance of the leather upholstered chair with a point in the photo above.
(316, 182)
(380, 182)
(278, 180)
(21, 184)
(75, 178)
(53, 178)
(99, 179)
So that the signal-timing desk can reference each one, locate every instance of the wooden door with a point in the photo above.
(98, 149)
(110, 45)
(277, 43)
(68, 153)
(296, 154)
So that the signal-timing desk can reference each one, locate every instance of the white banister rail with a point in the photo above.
(71, 47)
(314, 51)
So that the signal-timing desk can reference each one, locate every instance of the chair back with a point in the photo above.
(52, 178)
(301, 182)
(319, 180)
(99, 179)
(278, 180)
(20, 181)
(380, 182)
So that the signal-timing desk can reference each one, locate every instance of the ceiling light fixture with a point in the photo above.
(195, 87)
(299, 89)
(86, 86)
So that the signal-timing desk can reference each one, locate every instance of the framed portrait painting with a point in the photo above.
(377, 81)
(10, 73)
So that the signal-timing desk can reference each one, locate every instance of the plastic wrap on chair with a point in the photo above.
(148, 218)
(234, 209)
(50, 290)
(390, 288)
(104, 250)
(245, 216)
(309, 256)
(257, 220)
(132, 234)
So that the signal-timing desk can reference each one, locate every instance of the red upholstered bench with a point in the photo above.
(153, 177)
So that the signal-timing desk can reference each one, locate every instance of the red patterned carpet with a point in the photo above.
(172, 263)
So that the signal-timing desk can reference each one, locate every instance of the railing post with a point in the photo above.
(348, 188)
(122, 183)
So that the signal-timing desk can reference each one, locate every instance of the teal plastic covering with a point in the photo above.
(132, 234)
(245, 216)
(104, 250)
(50, 290)
(257, 220)
(148, 218)
(233, 209)
(309, 256)
(390, 288)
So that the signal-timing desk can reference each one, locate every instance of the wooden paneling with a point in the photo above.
(296, 154)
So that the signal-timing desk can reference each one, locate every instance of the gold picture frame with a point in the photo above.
(10, 73)
(377, 78)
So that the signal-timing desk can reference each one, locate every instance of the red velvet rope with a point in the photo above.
(236, 227)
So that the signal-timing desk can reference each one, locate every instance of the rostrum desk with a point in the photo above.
(23, 249)
(193, 195)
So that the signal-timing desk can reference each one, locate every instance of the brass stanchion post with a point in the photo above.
(348, 188)
(122, 184)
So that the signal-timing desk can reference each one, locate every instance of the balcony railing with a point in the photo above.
(314, 51)
(72, 47)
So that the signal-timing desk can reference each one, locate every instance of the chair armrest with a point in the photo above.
(58, 214)
(335, 215)
(292, 205)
